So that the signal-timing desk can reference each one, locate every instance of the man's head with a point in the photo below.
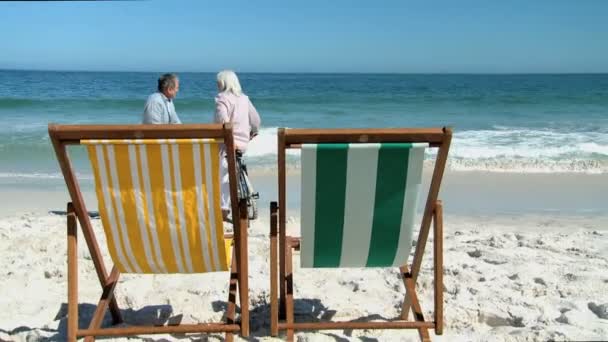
(168, 84)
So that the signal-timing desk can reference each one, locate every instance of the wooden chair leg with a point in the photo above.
(282, 308)
(282, 219)
(438, 267)
(89, 237)
(243, 269)
(274, 305)
(437, 217)
(405, 309)
(115, 312)
(231, 310)
(106, 298)
(410, 290)
(72, 275)
(289, 289)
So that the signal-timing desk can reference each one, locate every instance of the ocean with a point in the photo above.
(502, 123)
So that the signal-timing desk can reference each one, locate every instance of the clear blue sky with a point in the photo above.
(308, 36)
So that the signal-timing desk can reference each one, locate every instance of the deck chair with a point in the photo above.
(158, 193)
(359, 190)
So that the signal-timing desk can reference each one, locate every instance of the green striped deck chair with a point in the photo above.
(358, 203)
(158, 192)
(359, 194)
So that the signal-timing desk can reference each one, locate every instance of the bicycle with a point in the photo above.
(244, 187)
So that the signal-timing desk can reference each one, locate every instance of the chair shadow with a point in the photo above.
(151, 315)
(259, 315)
(305, 310)
(92, 214)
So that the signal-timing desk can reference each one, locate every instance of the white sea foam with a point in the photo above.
(265, 144)
(40, 175)
(500, 150)
(528, 144)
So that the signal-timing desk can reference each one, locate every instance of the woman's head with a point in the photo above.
(227, 81)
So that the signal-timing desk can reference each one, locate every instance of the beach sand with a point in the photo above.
(510, 274)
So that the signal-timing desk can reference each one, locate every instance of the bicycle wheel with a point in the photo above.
(245, 190)
(252, 208)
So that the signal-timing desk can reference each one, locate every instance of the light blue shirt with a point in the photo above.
(160, 110)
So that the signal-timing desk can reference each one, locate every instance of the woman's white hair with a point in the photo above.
(229, 82)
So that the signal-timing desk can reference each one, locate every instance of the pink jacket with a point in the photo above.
(239, 111)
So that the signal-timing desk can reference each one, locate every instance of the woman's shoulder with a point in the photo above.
(223, 98)
(230, 97)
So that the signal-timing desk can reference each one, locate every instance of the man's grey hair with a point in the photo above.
(167, 81)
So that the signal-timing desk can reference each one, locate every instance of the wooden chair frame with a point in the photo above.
(282, 298)
(64, 135)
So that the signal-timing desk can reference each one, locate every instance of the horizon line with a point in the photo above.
(319, 72)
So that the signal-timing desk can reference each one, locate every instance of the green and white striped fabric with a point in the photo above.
(358, 203)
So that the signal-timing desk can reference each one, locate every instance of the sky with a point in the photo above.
(515, 36)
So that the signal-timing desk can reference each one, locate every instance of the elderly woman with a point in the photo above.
(232, 106)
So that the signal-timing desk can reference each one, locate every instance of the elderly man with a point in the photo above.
(159, 108)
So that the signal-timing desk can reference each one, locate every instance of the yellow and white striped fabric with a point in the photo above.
(159, 202)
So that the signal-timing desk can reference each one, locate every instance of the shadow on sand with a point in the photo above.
(305, 310)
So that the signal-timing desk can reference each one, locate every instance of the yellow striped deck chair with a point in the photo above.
(359, 194)
(158, 204)
(158, 192)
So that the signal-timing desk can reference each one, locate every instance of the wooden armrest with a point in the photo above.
(293, 242)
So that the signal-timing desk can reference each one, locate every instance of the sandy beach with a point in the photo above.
(510, 274)
(509, 98)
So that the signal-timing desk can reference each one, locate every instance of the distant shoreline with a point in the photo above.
(468, 193)
(540, 73)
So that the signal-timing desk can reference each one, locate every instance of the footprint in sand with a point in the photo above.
(474, 254)
(498, 319)
(600, 311)
(562, 319)
(354, 286)
(495, 260)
